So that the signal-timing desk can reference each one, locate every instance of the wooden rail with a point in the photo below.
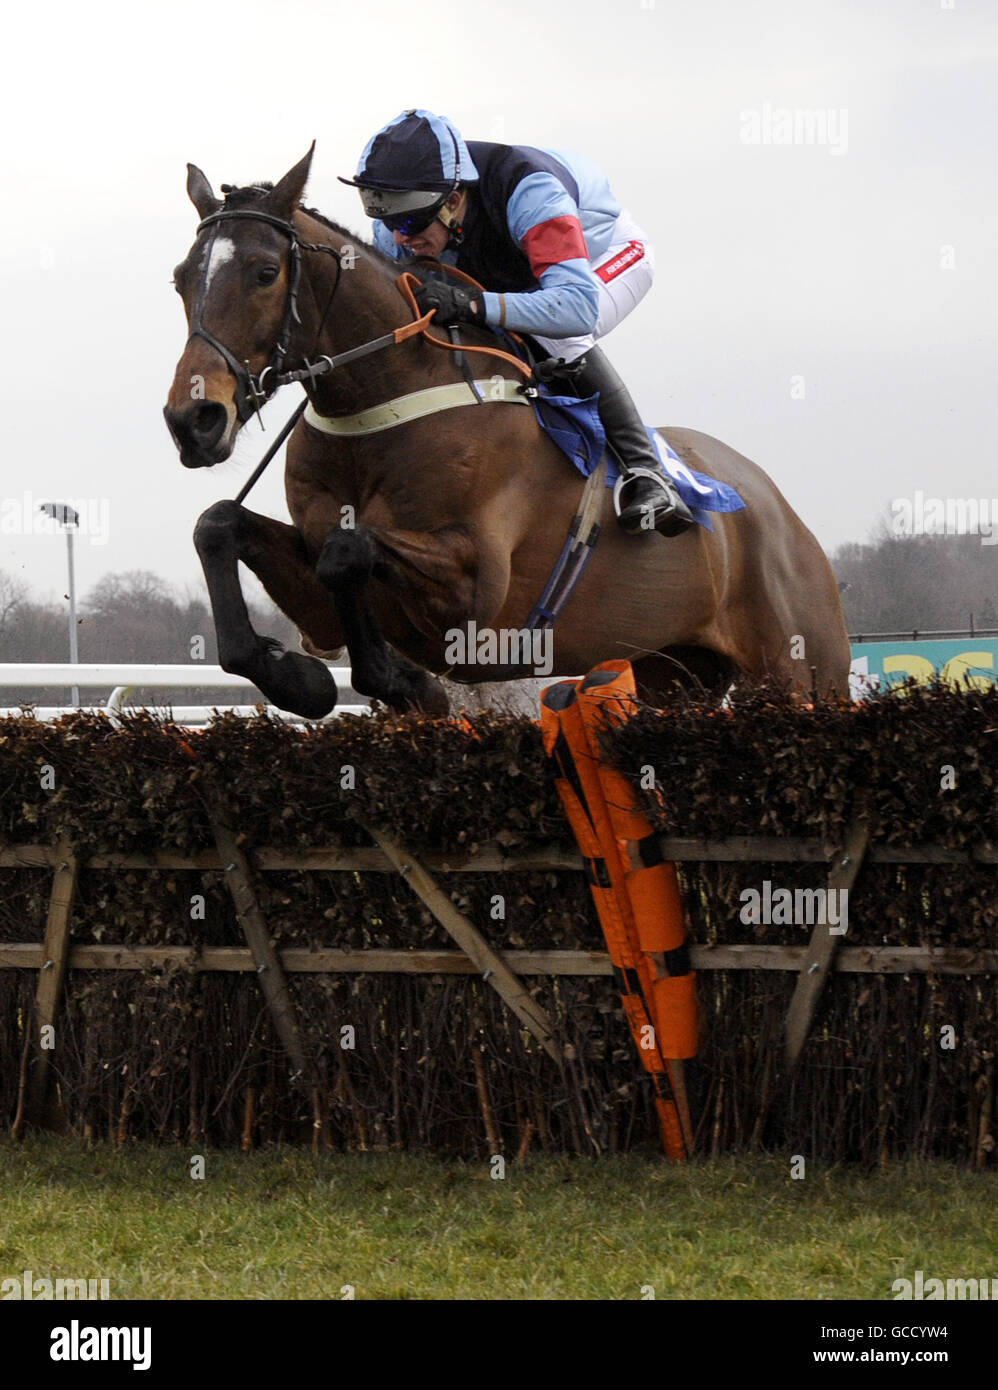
(299, 960)
(493, 859)
(813, 962)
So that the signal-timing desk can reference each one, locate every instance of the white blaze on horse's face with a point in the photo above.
(222, 250)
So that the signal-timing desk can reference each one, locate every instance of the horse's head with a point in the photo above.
(239, 285)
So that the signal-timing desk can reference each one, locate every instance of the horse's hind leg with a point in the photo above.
(227, 533)
(350, 559)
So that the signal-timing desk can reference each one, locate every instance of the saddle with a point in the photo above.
(572, 421)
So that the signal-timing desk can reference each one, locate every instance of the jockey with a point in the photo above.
(558, 257)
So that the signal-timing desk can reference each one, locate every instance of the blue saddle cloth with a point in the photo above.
(576, 428)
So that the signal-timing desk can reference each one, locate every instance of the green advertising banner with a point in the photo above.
(958, 660)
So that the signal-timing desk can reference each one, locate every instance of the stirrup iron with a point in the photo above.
(625, 477)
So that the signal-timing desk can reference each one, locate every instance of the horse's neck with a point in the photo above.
(365, 304)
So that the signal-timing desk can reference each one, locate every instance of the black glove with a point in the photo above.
(453, 303)
(550, 369)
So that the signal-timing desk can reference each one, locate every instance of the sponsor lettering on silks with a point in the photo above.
(796, 907)
(505, 646)
(76, 1343)
(32, 1286)
(609, 270)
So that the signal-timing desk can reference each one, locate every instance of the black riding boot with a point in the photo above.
(645, 497)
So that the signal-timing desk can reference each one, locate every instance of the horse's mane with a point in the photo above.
(250, 193)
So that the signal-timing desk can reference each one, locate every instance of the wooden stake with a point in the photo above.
(121, 1133)
(249, 1107)
(528, 1134)
(985, 1142)
(824, 944)
(484, 1101)
(192, 1103)
(469, 938)
(36, 1106)
(273, 982)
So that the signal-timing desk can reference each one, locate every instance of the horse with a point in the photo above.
(400, 537)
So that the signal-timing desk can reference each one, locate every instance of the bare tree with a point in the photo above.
(918, 583)
(13, 594)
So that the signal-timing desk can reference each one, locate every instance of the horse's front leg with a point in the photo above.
(351, 558)
(227, 533)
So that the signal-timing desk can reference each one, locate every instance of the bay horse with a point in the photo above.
(402, 536)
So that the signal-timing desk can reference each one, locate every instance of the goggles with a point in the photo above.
(414, 221)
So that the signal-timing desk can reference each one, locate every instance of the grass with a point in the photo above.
(281, 1224)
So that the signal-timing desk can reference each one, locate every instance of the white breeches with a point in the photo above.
(624, 275)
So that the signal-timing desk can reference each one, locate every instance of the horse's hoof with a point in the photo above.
(433, 700)
(296, 683)
(417, 692)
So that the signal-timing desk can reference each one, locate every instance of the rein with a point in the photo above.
(404, 284)
(254, 389)
(251, 390)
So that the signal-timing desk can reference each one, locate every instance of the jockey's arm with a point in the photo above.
(545, 223)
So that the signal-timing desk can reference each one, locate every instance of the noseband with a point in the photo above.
(253, 390)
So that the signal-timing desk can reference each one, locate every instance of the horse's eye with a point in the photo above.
(267, 274)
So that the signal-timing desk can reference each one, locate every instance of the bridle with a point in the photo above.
(252, 390)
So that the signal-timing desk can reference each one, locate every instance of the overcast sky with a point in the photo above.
(859, 272)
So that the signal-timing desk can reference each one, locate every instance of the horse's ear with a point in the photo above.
(200, 193)
(286, 195)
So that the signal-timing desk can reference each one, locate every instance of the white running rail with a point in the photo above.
(125, 678)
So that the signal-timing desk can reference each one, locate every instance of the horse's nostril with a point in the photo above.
(197, 431)
(208, 422)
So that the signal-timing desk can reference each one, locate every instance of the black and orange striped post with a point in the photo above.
(636, 894)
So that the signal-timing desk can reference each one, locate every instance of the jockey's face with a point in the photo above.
(432, 240)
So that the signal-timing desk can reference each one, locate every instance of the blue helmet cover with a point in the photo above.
(417, 150)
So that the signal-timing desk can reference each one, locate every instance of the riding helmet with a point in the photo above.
(414, 162)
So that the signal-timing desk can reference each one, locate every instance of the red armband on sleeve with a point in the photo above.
(549, 243)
